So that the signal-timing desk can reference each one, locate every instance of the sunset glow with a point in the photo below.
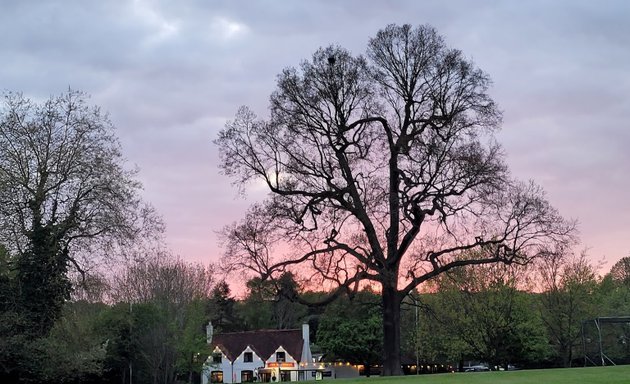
(170, 76)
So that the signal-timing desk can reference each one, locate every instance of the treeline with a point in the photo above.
(500, 315)
(147, 321)
(527, 316)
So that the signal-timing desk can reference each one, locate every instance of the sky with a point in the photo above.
(171, 73)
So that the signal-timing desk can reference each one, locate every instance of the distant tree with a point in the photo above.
(272, 304)
(568, 284)
(121, 357)
(74, 351)
(351, 330)
(221, 309)
(612, 298)
(16, 347)
(287, 313)
(256, 307)
(620, 271)
(162, 279)
(157, 336)
(426, 332)
(192, 347)
(7, 281)
(66, 198)
(93, 287)
(381, 168)
(482, 307)
(168, 295)
(140, 347)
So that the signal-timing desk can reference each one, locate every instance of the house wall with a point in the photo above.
(240, 365)
(232, 370)
(225, 366)
(288, 359)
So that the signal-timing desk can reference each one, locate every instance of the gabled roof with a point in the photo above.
(264, 342)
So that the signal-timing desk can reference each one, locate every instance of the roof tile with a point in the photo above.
(264, 342)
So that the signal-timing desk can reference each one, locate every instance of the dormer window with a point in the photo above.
(248, 357)
(280, 357)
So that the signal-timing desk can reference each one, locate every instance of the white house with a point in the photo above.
(269, 355)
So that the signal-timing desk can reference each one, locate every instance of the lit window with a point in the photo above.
(216, 377)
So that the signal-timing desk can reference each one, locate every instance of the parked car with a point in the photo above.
(476, 368)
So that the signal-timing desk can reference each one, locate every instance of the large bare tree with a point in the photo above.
(381, 168)
(66, 197)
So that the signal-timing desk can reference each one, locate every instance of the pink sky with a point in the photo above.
(171, 73)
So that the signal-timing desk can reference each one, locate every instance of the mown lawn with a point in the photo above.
(590, 375)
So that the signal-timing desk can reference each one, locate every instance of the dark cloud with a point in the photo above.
(171, 73)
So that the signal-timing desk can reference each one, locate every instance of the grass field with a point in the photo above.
(592, 375)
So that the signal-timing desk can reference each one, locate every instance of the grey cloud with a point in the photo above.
(171, 73)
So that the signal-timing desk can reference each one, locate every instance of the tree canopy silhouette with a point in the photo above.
(381, 168)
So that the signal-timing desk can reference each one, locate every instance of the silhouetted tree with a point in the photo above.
(381, 168)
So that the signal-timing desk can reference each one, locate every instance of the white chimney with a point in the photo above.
(307, 357)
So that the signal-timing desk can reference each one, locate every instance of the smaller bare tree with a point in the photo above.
(66, 197)
(175, 292)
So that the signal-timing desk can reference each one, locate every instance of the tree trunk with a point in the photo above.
(391, 331)
(568, 356)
